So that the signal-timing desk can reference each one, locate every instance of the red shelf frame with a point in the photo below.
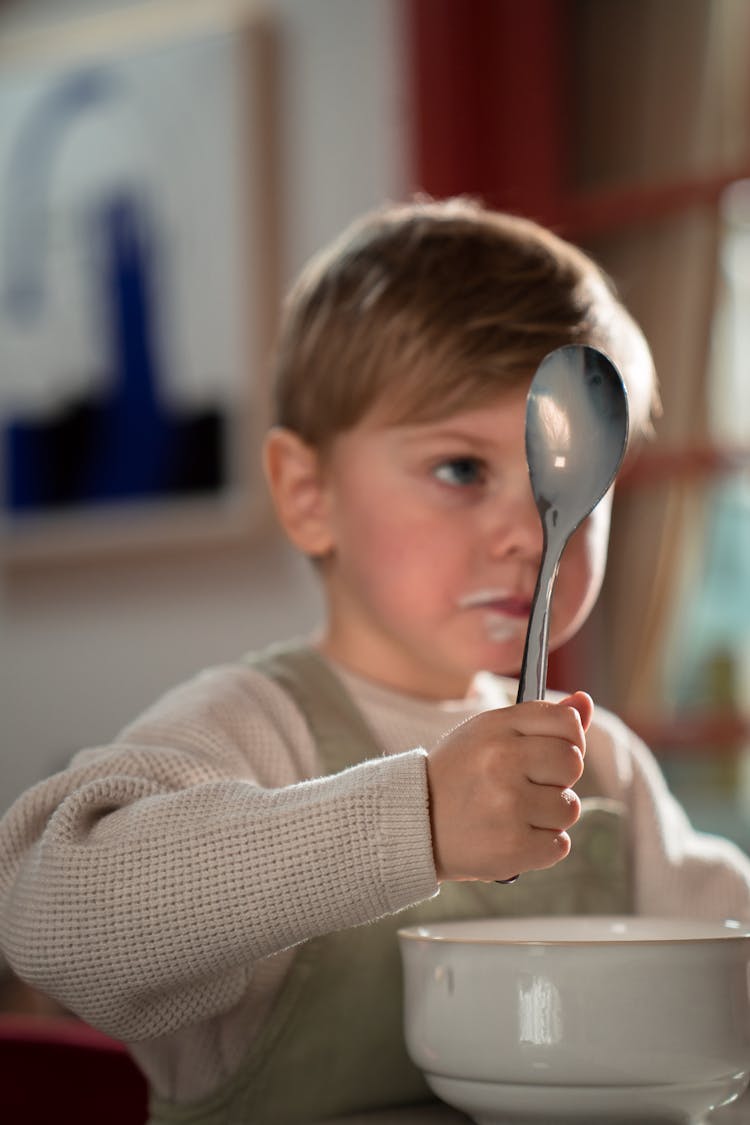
(487, 123)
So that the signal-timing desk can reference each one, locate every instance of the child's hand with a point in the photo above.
(500, 801)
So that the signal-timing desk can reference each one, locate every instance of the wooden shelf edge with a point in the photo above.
(594, 212)
(693, 733)
(657, 466)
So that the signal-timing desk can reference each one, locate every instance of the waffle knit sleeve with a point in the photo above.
(140, 885)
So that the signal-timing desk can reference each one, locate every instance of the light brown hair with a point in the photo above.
(425, 308)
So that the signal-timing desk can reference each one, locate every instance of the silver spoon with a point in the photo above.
(576, 434)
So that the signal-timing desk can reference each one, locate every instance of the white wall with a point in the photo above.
(82, 650)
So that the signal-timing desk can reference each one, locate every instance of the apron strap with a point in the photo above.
(337, 725)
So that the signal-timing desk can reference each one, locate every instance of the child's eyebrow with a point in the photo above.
(416, 435)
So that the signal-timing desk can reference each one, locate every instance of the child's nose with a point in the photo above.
(515, 526)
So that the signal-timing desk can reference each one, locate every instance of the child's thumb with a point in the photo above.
(583, 704)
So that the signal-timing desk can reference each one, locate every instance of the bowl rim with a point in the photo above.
(733, 930)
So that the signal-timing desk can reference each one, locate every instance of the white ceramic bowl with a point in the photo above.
(579, 1019)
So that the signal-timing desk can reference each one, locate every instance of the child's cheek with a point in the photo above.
(580, 577)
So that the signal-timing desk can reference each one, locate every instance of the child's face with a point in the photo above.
(435, 543)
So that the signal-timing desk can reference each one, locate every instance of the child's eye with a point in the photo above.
(460, 471)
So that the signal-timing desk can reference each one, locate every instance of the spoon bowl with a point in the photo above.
(576, 436)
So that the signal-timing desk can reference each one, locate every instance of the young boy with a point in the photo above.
(199, 888)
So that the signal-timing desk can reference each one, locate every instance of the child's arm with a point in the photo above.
(500, 793)
(140, 886)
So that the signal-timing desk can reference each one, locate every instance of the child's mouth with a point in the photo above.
(512, 606)
(505, 615)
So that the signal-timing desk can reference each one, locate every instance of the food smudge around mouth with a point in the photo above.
(504, 616)
(499, 627)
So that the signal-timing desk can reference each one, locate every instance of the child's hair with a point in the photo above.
(425, 308)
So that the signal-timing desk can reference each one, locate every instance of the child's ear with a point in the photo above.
(296, 481)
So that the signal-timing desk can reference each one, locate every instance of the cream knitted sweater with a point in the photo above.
(157, 886)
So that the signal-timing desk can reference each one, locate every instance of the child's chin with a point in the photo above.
(504, 660)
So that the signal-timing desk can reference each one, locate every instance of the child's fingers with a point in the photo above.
(551, 761)
(533, 850)
(583, 704)
(549, 848)
(501, 763)
(524, 807)
(553, 808)
(540, 717)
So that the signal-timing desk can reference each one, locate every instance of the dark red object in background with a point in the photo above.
(490, 98)
(58, 1070)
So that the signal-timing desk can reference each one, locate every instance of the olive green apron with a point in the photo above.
(333, 1043)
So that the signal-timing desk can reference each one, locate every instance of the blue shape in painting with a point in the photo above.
(121, 442)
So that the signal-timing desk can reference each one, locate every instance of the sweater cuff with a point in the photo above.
(404, 835)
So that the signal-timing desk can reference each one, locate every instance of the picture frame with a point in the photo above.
(138, 281)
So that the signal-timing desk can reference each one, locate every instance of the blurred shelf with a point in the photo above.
(596, 212)
(656, 466)
(699, 733)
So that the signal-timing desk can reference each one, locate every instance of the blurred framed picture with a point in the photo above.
(137, 280)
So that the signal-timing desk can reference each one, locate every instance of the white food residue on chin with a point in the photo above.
(501, 628)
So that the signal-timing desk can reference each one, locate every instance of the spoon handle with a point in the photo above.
(532, 680)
